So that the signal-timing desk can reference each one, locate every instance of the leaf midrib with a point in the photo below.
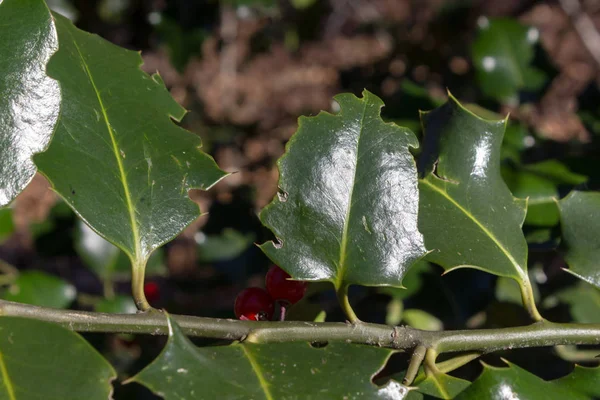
(343, 248)
(482, 227)
(440, 387)
(6, 379)
(258, 372)
(116, 152)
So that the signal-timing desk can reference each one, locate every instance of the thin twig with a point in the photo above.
(539, 334)
(415, 363)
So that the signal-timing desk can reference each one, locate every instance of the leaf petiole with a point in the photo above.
(137, 286)
(342, 295)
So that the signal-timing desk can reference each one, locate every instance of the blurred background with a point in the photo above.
(246, 69)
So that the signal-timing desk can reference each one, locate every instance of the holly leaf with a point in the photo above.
(30, 101)
(502, 55)
(347, 207)
(515, 382)
(540, 183)
(581, 234)
(442, 386)
(117, 158)
(40, 289)
(273, 371)
(60, 363)
(582, 380)
(467, 214)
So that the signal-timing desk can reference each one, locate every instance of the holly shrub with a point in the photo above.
(361, 203)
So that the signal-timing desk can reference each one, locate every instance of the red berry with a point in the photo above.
(152, 291)
(281, 288)
(254, 304)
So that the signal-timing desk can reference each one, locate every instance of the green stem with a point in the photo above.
(414, 365)
(450, 365)
(137, 287)
(539, 334)
(342, 295)
(430, 367)
(529, 299)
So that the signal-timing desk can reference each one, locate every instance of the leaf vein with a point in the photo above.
(6, 379)
(342, 259)
(500, 246)
(258, 372)
(123, 176)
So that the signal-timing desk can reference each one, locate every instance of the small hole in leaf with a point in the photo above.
(437, 174)
(277, 243)
(282, 195)
(318, 345)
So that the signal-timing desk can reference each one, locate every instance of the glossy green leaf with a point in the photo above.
(502, 55)
(107, 260)
(467, 215)
(274, 371)
(226, 246)
(117, 157)
(29, 100)
(582, 380)
(347, 207)
(40, 360)
(539, 183)
(40, 289)
(580, 222)
(516, 383)
(7, 226)
(116, 305)
(442, 386)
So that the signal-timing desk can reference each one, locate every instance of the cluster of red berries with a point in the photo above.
(257, 304)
